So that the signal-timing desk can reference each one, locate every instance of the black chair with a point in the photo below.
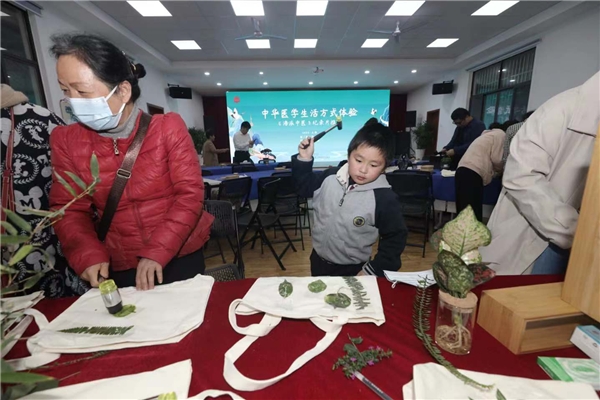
(225, 226)
(237, 192)
(207, 191)
(206, 172)
(265, 217)
(289, 204)
(285, 164)
(415, 192)
(242, 168)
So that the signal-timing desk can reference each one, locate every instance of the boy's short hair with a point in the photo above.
(374, 135)
(246, 125)
(460, 113)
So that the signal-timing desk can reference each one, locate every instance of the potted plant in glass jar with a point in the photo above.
(457, 271)
(423, 138)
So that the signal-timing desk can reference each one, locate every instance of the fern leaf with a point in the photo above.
(98, 330)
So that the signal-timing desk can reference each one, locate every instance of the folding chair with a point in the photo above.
(289, 204)
(237, 192)
(225, 226)
(241, 168)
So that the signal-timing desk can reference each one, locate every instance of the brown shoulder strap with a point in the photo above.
(122, 177)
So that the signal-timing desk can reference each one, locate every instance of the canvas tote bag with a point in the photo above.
(302, 303)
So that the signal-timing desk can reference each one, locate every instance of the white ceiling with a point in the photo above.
(341, 32)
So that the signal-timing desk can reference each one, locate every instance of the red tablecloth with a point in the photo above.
(272, 355)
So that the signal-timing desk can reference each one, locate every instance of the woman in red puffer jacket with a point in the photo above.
(159, 227)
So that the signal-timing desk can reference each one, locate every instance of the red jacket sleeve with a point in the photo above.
(75, 230)
(186, 178)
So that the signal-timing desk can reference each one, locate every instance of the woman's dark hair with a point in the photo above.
(508, 123)
(374, 135)
(495, 125)
(108, 63)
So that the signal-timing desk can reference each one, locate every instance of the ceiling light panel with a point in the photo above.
(442, 42)
(186, 44)
(258, 43)
(493, 8)
(315, 8)
(248, 8)
(150, 8)
(404, 8)
(305, 43)
(374, 43)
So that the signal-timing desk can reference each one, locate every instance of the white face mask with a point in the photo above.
(96, 112)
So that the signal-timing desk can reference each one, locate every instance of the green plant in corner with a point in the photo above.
(423, 135)
(15, 247)
(198, 137)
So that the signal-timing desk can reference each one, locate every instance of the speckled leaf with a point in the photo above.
(435, 240)
(317, 286)
(460, 282)
(285, 289)
(338, 300)
(466, 233)
(450, 261)
(440, 276)
(481, 273)
(472, 257)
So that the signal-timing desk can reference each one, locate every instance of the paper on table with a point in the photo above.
(447, 386)
(172, 378)
(211, 182)
(411, 278)
(446, 173)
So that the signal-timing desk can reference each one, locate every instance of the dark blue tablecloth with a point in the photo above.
(226, 169)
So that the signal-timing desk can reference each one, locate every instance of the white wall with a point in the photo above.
(422, 101)
(566, 57)
(153, 85)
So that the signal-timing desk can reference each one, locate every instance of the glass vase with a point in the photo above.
(455, 321)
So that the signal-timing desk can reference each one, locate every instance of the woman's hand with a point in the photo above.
(91, 273)
(144, 277)
(306, 153)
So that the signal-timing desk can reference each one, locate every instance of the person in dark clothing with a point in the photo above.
(467, 130)
(354, 206)
(495, 125)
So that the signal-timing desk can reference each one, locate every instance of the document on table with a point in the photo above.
(411, 278)
(212, 182)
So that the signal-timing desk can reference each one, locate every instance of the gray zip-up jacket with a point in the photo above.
(350, 218)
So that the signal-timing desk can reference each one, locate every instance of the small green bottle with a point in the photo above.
(111, 296)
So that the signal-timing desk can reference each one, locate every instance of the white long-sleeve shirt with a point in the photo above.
(241, 142)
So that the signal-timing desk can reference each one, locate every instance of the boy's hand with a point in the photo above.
(306, 153)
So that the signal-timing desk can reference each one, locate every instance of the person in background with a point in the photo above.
(511, 131)
(159, 227)
(242, 143)
(481, 162)
(26, 182)
(210, 152)
(495, 125)
(354, 206)
(508, 124)
(467, 130)
(534, 221)
(371, 120)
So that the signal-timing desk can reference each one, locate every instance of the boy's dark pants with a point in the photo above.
(321, 267)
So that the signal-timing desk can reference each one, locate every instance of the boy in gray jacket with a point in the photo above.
(354, 205)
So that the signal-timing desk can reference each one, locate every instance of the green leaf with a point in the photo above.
(98, 330)
(30, 282)
(14, 288)
(125, 311)
(23, 377)
(20, 254)
(94, 167)
(6, 366)
(466, 233)
(460, 282)
(77, 180)
(317, 286)
(338, 300)
(499, 395)
(481, 273)
(8, 270)
(440, 276)
(285, 289)
(10, 239)
(168, 396)
(435, 240)
(65, 184)
(47, 257)
(357, 340)
(9, 228)
(450, 261)
(472, 257)
(18, 221)
(39, 213)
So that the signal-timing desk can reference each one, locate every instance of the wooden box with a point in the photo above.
(528, 319)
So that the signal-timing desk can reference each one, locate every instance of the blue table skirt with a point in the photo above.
(443, 188)
(226, 169)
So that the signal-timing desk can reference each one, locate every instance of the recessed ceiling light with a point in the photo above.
(2, 14)
(150, 8)
(512, 80)
(305, 43)
(248, 8)
(207, 73)
(367, 72)
(186, 44)
(414, 71)
(493, 8)
(261, 73)
(442, 42)
(404, 8)
(374, 43)
(310, 83)
(258, 43)
(356, 82)
(503, 69)
(265, 83)
(218, 83)
(396, 82)
(311, 7)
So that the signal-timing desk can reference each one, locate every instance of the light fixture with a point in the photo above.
(404, 8)
(367, 72)
(258, 43)
(265, 83)
(3, 14)
(442, 42)
(396, 82)
(261, 73)
(218, 83)
(310, 83)
(248, 8)
(186, 44)
(207, 73)
(414, 71)
(512, 80)
(503, 69)
(150, 8)
(356, 82)
(374, 43)
(493, 8)
(311, 7)
(305, 43)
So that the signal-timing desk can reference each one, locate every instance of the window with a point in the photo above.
(501, 91)
(19, 62)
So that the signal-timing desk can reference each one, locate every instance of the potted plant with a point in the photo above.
(198, 137)
(423, 138)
